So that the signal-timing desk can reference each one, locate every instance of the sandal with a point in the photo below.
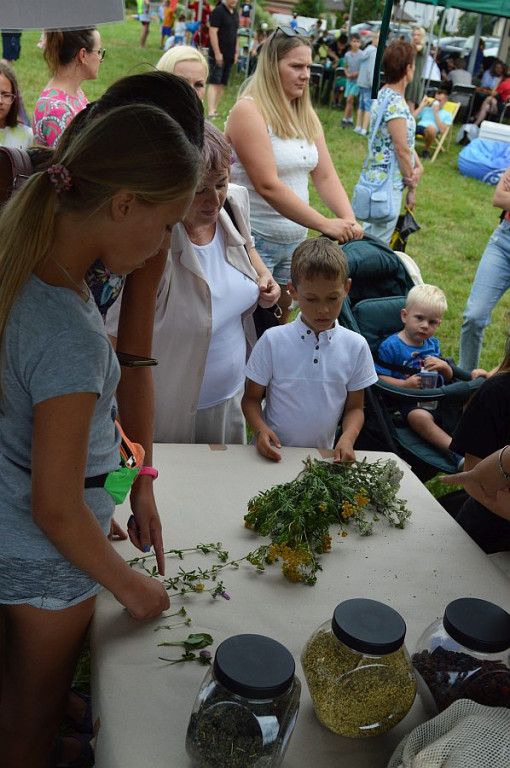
(85, 758)
(84, 725)
(212, 116)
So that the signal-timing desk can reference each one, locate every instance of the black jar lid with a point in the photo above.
(478, 625)
(368, 626)
(254, 666)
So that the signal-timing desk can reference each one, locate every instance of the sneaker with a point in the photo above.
(350, 121)
(357, 129)
(425, 155)
(363, 132)
(345, 122)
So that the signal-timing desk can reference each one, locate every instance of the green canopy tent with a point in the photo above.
(488, 7)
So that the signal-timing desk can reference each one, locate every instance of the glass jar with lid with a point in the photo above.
(466, 654)
(247, 706)
(358, 671)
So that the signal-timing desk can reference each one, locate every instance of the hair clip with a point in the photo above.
(59, 177)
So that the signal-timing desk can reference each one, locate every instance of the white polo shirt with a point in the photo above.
(307, 379)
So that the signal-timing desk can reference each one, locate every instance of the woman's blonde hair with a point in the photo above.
(137, 147)
(287, 119)
(180, 53)
(422, 32)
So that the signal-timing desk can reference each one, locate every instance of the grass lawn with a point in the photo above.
(455, 212)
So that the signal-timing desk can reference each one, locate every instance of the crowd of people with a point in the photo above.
(209, 231)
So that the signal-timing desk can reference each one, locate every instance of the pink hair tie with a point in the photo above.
(59, 177)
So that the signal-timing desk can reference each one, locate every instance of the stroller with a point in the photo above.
(380, 283)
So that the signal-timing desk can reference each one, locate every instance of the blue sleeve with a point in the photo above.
(388, 353)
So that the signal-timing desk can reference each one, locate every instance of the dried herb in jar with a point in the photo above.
(359, 695)
(451, 675)
(358, 670)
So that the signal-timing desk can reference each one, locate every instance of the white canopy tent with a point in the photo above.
(59, 14)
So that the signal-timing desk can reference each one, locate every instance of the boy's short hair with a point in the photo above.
(429, 296)
(355, 36)
(318, 257)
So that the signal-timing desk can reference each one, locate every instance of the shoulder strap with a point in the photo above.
(379, 118)
(229, 210)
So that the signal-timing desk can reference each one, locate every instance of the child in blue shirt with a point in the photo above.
(352, 64)
(416, 348)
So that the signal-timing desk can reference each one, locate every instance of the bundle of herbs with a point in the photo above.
(298, 515)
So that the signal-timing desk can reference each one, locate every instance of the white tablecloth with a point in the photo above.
(142, 706)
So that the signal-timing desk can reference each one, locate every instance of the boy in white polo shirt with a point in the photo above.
(312, 370)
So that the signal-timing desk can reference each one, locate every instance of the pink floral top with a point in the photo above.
(52, 114)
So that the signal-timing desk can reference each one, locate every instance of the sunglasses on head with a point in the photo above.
(292, 31)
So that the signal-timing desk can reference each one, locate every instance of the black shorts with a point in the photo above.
(219, 75)
(11, 45)
(420, 130)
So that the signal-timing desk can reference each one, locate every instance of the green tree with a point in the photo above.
(468, 21)
(311, 8)
(364, 10)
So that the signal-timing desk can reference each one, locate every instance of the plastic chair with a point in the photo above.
(338, 72)
(445, 138)
(380, 283)
(464, 95)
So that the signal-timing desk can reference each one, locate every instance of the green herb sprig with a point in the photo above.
(192, 643)
(195, 580)
(297, 515)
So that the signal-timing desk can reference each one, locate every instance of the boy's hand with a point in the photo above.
(412, 382)
(344, 450)
(268, 443)
(440, 366)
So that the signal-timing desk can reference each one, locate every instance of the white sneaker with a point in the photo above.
(363, 132)
(357, 129)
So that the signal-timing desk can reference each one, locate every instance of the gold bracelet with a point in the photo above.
(506, 475)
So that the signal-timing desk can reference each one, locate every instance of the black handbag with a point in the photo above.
(263, 317)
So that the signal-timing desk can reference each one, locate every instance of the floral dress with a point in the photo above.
(381, 151)
(53, 112)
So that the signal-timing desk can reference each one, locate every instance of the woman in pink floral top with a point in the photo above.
(72, 57)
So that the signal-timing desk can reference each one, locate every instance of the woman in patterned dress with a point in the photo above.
(392, 147)
(72, 57)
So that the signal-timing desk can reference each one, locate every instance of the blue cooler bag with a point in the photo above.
(485, 160)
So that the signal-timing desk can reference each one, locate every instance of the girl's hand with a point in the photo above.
(268, 443)
(144, 525)
(143, 597)
(116, 532)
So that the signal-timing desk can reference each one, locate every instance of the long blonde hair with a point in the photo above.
(136, 147)
(287, 119)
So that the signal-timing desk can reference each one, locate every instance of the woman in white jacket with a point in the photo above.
(203, 328)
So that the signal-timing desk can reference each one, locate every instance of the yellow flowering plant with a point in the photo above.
(298, 515)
